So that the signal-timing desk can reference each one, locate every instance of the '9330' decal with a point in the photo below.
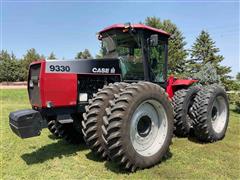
(94, 66)
(58, 68)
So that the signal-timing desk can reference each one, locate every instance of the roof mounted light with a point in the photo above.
(127, 25)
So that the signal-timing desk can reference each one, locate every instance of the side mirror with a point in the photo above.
(99, 36)
(153, 40)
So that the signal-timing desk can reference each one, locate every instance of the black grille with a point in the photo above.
(91, 84)
(33, 85)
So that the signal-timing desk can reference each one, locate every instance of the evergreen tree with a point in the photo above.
(42, 57)
(30, 57)
(9, 67)
(207, 74)
(205, 51)
(84, 55)
(176, 47)
(238, 76)
(4, 55)
(100, 54)
(52, 56)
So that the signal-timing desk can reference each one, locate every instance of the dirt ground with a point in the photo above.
(13, 87)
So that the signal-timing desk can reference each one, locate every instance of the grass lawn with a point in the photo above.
(44, 157)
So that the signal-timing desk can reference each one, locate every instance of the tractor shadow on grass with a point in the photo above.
(191, 137)
(51, 136)
(51, 151)
(195, 140)
(94, 157)
(118, 170)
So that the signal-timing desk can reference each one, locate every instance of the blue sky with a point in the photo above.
(68, 27)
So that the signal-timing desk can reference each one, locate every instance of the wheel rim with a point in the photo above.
(219, 114)
(148, 128)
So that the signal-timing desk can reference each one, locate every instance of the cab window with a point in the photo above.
(157, 60)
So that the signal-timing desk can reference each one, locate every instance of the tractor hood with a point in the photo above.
(83, 66)
(56, 83)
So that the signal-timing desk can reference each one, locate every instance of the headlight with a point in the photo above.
(83, 97)
(31, 84)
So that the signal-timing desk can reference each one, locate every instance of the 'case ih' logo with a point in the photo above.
(104, 70)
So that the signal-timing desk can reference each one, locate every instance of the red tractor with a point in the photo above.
(123, 105)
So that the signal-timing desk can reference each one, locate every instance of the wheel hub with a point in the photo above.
(148, 127)
(214, 113)
(144, 126)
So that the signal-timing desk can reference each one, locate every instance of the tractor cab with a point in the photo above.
(142, 51)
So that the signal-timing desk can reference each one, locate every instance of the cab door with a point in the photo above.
(158, 62)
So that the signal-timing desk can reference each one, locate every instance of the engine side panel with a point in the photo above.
(58, 83)
(59, 89)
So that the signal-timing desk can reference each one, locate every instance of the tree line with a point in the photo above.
(201, 61)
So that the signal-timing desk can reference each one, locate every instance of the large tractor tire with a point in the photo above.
(140, 126)
(182, 106)
(71, 132)
(94, 117)
(211, 110)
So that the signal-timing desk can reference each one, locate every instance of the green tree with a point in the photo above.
(9, 67)
(4, 55)
(42, 57)
(52, 56)
(100, 54)
(28, 58)
(177, 53)
(83, 55)
(205, 51)
(238, 76)
(207, 74)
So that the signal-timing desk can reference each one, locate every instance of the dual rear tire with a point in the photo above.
(205, 110)
(95, 117)
(134, 126)
(211, 116)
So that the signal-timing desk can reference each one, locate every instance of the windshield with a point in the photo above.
(127, 48)
(121, 45)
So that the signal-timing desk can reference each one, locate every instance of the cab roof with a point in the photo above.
(135, 26)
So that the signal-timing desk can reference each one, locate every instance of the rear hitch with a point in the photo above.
(26, 123)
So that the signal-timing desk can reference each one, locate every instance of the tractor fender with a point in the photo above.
(176, 84)
(184, 82)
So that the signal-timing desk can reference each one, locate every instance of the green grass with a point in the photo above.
(44, 157)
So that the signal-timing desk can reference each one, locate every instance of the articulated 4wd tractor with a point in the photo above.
(124, 106)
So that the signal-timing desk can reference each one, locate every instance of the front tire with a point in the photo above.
(140, 126)
(70, 132)
(53, 126)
